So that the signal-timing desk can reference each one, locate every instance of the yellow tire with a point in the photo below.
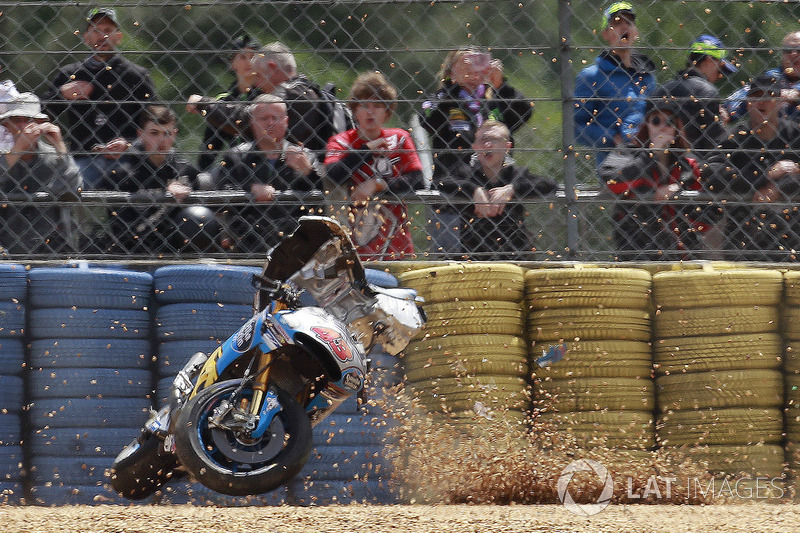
(633, 430)
(732, 388)
(594, 287)
(726, 426)
(707, 321)
(717, 352)
(597, 394)
(596, 359)
(590, 324)
(702, 288)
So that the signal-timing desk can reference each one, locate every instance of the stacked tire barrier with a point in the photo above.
(717, 352)
(198, 307)
(602, 391)
(90, 380)
(470, 358)
(13, 292)
(791, 330)
(85, 352)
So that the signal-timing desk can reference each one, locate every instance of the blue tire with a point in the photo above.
(342, 429)
(11, 492)
(91, 353)
(12, 388)
(172, 355)
(89, 323)
(59, 493)
(81, 287)
(82, 442)
(204, 321)
(11, 463)
(12, 320)
(10, 429)
(12, 357)
(205, 283)
(98, 383)
(13, 282)
(69, 470)
(344, 462)
(332, 492)
(89, 413)
(381, 278)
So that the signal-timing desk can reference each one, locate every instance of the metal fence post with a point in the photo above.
(567, 130)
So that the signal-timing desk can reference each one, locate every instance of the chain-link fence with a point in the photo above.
(108, 191)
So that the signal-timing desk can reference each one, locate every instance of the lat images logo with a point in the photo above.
(585, 509)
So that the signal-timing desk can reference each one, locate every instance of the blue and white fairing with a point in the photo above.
(311, 328)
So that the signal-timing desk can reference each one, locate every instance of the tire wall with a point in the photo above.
(700, 360)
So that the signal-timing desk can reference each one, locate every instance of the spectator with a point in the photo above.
(610, 95)
(373, 159)
(8, 92)
(215, 139)
(704, 119)
(37, 161)
(97, 100)
(263, 167)
(275, 72)
(472, 90)
(493, 225)
(787, 74)
(151, 164)
(645, 176)
(759, 164)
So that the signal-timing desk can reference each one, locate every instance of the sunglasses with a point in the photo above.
(658, 121)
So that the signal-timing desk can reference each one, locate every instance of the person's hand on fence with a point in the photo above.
(191, 104)
(179, 190)
(263, 193)
(495, 76)
(113, 149)
(77, 90)
(665, 193)
(297, 159)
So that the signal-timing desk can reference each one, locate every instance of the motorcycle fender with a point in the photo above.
(269, 408)
(318, 326)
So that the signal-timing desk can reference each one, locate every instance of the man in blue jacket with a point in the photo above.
(610, 95)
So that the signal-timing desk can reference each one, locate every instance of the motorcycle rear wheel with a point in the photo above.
(226, 461)
(142, 467)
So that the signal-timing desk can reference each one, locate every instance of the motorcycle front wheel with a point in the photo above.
(230, 461)
(142, 467)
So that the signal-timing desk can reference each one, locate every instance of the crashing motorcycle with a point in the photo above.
(239, 420)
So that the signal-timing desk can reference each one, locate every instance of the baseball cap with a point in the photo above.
(764, 83)
(98, 12)
(25, 105)
(711, 46)
(245, 40)
(615, 8)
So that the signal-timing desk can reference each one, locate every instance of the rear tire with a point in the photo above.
(224, 461)
(142, 467)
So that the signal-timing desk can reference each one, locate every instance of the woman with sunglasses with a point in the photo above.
(647, 176)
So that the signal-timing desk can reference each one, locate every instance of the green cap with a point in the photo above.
(613, 9)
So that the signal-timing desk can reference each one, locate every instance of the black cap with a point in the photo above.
(764, 83)
(243, 41)
(662, 99)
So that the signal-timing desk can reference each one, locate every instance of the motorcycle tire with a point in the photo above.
(142, 467)
(243, 468)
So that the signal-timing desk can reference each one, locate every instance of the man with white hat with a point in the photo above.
(38, 161)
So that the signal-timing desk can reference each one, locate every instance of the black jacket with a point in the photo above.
(504, 236)
(698, 101)
(451, 118)
(121, 90)
(308, 122)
